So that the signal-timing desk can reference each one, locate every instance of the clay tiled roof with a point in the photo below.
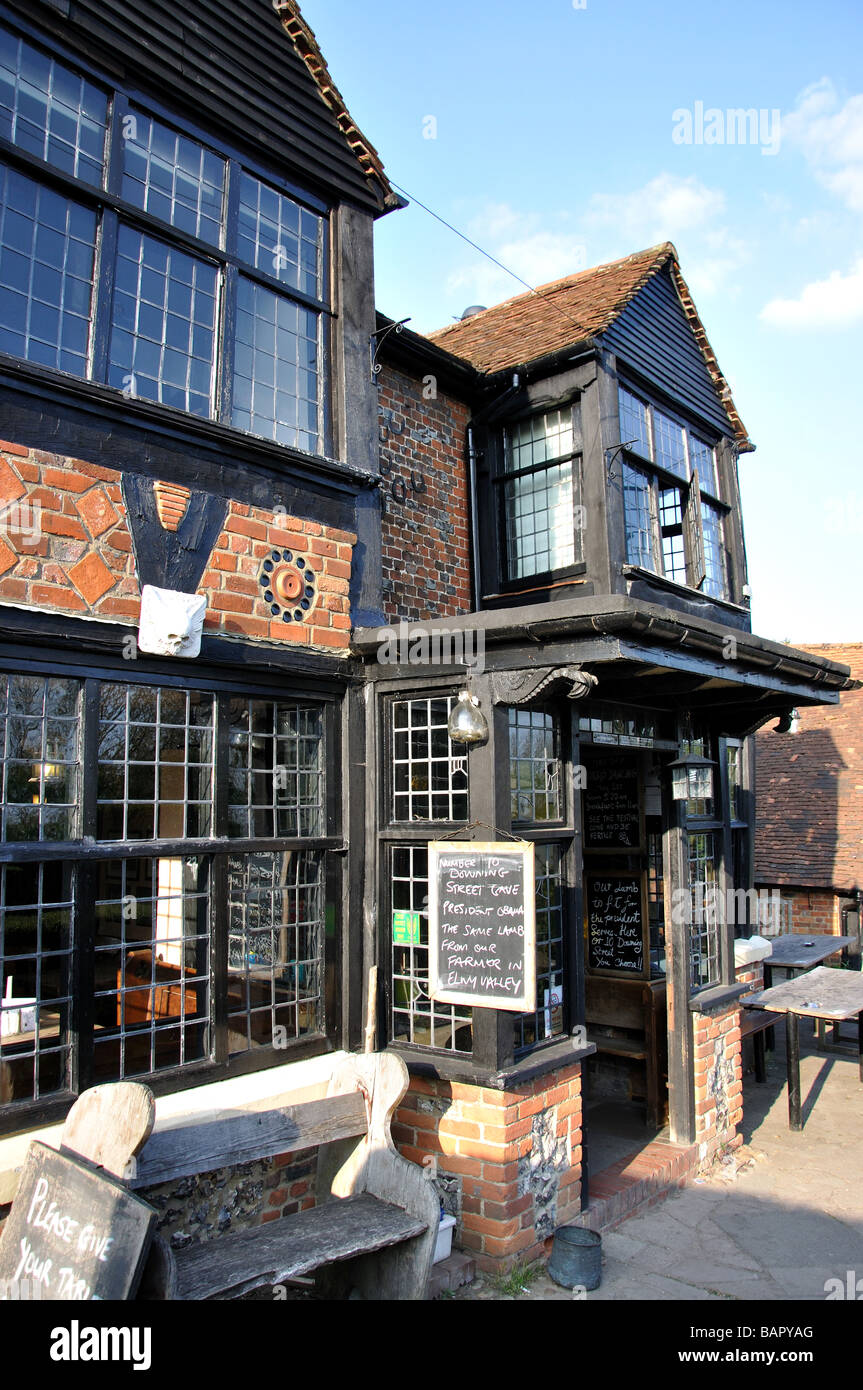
(809, 791)
(573, 310)
(304, 41)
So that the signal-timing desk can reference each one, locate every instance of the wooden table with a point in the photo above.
(795, 951)
(822, 993)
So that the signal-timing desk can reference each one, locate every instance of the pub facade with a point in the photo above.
(578, 449)
(189, 528)
(233, 499)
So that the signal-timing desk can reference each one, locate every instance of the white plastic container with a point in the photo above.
(443, 1248)
(18, 1016)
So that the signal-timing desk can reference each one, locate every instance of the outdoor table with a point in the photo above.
(795, 951)
(823, 993)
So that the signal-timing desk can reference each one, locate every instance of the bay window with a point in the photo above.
(674, 518)
(135, 255)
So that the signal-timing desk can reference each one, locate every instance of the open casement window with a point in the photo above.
(539, 496)
(167, 884)
(674, 519)
(136, 255)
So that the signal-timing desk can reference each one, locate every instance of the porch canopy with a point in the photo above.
(639, 653)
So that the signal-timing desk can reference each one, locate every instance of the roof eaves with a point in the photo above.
(745, 444)
(308, 48)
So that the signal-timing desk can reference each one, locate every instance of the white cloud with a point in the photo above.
(521, 242)
(836, 302)
(664, 208)
(542, 248)
(830, 135)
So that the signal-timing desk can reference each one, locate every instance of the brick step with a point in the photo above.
(640, 1180)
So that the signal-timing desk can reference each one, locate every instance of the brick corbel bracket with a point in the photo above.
(522, 687)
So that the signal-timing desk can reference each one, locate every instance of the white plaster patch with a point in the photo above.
(171, 622)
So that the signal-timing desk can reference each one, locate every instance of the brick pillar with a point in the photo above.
(718, 1082)
(508, 1163)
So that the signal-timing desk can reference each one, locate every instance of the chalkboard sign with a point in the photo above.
(482, 924)
(73, 1233)
(612, 813)
(616, 919)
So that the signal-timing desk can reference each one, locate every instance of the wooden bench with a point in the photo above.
(374, 1228)
(758, 1024)
(636, 1012)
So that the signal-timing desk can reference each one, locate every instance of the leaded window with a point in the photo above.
(181, 840)
(216, 314)
(47, 246)
(548, 1019)
(534, 766)
(541, 480)
(50, 111)
(430, 780)
(716, 573)
(673, 525)
(415, 1017)
(706, 916)
(637, 497)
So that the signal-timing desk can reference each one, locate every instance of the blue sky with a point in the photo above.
(554, 147)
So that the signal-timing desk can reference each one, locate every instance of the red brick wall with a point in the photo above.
(718, 1083)
(508, 1162)
(74, 552)
(812, 909)
(65, 545)
(426, 557)
(235, 597)
(809, 790)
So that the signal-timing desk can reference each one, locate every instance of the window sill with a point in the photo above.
(460, 1068)
(686, 590)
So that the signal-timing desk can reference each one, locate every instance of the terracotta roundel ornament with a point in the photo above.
(288, 584)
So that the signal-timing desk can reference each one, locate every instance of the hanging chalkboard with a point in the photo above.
(73, 1233)
(614, 906)
(612, 810)
(482, 932)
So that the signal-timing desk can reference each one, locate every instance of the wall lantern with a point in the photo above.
(467, 723)
(692, 778)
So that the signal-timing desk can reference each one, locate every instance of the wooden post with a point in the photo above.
(792, 1043)
(372, 1009)
(681, 1060)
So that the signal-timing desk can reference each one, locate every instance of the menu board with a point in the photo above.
(73, 1234)
(612, 813)
(615, 923)
(482, 924)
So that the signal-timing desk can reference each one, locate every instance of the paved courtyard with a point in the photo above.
(776, 1222)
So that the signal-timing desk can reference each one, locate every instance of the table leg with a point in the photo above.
(770, 1039)
(792, 1043)
(860, 1043)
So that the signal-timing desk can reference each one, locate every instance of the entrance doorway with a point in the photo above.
(626, 1091)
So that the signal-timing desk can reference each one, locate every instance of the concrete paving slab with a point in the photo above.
(774, 1226)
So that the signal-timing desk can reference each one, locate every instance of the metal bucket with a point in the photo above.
(576, 1258)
